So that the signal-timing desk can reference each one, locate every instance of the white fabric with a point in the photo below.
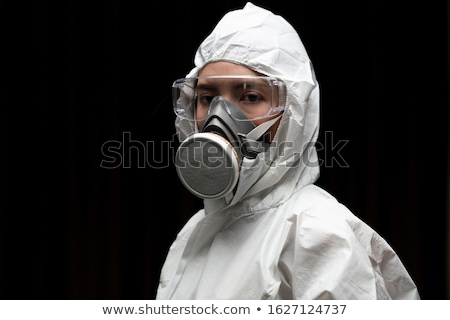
(280, 237)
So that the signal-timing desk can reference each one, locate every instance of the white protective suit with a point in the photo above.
(280, 236)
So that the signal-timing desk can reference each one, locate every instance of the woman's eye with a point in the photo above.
(206, 99)
(251, 97)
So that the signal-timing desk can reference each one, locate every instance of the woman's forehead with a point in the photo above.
(226, 68)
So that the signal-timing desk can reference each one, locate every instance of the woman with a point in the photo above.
(266, 232)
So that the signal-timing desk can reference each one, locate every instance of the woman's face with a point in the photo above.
(252, 99)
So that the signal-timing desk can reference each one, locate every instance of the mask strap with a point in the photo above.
(256, 133)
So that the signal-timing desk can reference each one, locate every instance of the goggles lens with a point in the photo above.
(257, 97)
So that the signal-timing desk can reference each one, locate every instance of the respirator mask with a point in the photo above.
(222, 111)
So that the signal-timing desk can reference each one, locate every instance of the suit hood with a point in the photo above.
(266, 43)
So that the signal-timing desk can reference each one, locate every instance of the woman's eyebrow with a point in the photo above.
(236, 86)
(205, 86)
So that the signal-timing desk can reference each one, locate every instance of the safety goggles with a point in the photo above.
(258, 97)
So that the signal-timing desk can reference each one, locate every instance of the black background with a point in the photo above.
(78, 74)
